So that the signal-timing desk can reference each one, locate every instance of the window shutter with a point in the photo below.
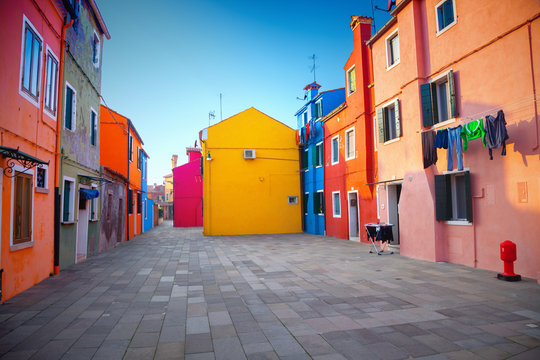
(73, 110)
(434, 106)
(443, 198)
(427, 113)
(468, 196)
(69, 104)
(448, 12)
(380, 124)
(398, 118)
(67, 195)
(313, 155)
(452, 91)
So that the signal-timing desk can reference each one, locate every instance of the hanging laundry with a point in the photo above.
(454, 141)
(471, 131)
(441, 139)
(307, 131)
(297, 137)
(496, 134)
(429, 152)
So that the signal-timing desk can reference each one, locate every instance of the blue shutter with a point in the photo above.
(427, 113)
(448, 12)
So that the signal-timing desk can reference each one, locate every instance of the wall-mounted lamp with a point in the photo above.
(208, 157)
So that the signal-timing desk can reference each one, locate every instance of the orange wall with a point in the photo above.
(25, 125)
(490, 74)
(135, 185)
(114, 141)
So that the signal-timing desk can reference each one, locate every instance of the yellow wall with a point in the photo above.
(251, 196)
(169, 187)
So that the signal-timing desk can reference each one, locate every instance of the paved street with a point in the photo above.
(174, 294)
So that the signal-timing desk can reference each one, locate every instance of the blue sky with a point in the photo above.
(168, 61)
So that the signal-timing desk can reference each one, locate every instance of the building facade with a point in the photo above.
(310, 138)
(188, 190)
(113, 209)
(251, 182)
(147, 216)
(349, 158)
(439, 70)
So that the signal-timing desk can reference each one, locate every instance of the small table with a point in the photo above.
(379, 232)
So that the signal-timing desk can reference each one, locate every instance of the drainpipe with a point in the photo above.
(127, 185)
(57, 154)
(534, 86)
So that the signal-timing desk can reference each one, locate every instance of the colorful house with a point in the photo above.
(309, 118)
(168, 182)
(113, 208)
(251, 181)
(79, 141)
(349, 159)
(29, 63)
(188, 190)
(121, 151)
(147, 217)
(439, 65)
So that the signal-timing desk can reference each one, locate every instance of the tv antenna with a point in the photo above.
(211, 116)
(314, 58)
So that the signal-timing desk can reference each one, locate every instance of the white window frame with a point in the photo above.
(391, 103)
(306, 204)
(388, 52)
(455, 220)
(318, 106)
(95, 203)
(130, 148)
(52, 115)
(347, 157)
(145, 209)
(320, 146)
(439, 32)
(333, 204)
(324, 207)
(307, 157)
(14, 247)
(73, 109)
(375, 134)
(349, 91)
(22, 92)
(332, 150)
(98, 50)
(44, 189)
(95, 127)
(450, 119)
(71, 219)
(305, 117)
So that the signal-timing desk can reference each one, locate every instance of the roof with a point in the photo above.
(313, 84)
(316, 98)
(251, 108)
(99, 19)
(389, 23)
(334, 112)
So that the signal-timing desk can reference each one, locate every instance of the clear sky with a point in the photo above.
(168, 61)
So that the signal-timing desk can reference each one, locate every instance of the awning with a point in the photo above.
(88, 194)
(88, 179)
(26, 161)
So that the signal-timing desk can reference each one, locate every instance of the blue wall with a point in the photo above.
(147, 223)
(313, 174)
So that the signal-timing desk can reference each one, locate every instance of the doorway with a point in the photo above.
(81, 247)
(353, 216)
(393, 192)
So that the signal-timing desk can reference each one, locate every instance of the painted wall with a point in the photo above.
(113, 210)
(188, 191)
(149, 220)
(250, 196)
(168, 206)
(351, 176)
(146, 216)
(486, 79)
(25, 124)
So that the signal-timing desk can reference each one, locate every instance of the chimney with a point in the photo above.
(193, 153)
(311, 91)
(174, 161)
(361, 27)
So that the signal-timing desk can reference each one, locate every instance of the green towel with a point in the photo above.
(471, 131)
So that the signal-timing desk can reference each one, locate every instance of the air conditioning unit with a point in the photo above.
(249, 154)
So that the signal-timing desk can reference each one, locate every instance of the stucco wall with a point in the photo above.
(113, 223)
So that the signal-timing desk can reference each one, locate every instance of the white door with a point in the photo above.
(82, 231)
(353, 216)
(393, 191)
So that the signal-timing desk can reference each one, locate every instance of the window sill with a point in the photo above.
(50, 114)
(449, 26)
(93, 220)
(458, 222)
(456, 171)
(67, 222)
(350, 93)
(444, 123)
(30, 98)
(336, 216)
(388, 68)
(318, 166)
(320, 214)
(392, 141)
(351, 158)
(41, 190)
(21, 246)
(335, 163)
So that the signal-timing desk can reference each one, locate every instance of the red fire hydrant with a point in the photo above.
(508, 256)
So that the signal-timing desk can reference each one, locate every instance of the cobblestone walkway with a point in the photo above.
(173, 294)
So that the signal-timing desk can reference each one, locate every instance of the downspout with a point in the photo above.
(127, 185)
(57, 154)
(324, 175)
(534, 86)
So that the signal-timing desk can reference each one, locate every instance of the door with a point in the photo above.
(393, 191)
(81, 247)
(353, 216)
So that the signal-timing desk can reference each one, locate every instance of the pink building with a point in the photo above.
(188, 190)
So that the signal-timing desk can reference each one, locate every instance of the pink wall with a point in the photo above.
(188, 192)
(491, 73)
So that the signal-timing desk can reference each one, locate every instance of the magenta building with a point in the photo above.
(188, 191)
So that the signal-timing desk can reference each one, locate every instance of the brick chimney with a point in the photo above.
(174, 160)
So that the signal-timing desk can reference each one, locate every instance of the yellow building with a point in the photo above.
(251, 178)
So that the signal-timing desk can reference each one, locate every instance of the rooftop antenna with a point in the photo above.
(220, 107)
(313, 57)
(211, 116)
(373, 15)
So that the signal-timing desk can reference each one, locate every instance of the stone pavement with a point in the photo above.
(174, 294)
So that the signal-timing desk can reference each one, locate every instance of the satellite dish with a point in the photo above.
(390, 3)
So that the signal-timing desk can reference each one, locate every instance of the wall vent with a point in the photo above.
(249, 154)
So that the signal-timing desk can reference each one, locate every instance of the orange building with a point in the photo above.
(29, 63)
(439, 65)
(121, 147)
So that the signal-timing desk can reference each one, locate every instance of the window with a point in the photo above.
(167, 197)
(336, 204)
(453, 200)
(146, 168)
(318, 203)
(68, 194)
(349, 144)
(130, 201)
(22, 212)
(445, 14)
(95, 49)
(351, 81)
(335, 150)
(51, 79)
(31, 61)
(94, 206)
(139, 203)
(70, 108)
(292, 200)
(304, 159)
(145, 210)
(305, 203)
(392, 50)
(130, 148)
(389, 122)
(93, 127)
(439, 100)
(317, 154)
(318, 109)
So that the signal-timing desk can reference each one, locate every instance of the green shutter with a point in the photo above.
(306, 198)
(434, 107)
(380, 124)
(443, 198)
(452, 91)
(201, 165)
(427, 113)
(66, 195)
(468, 196)
(304, 158)
(398, 118)
(69, 108)
(313, 155)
